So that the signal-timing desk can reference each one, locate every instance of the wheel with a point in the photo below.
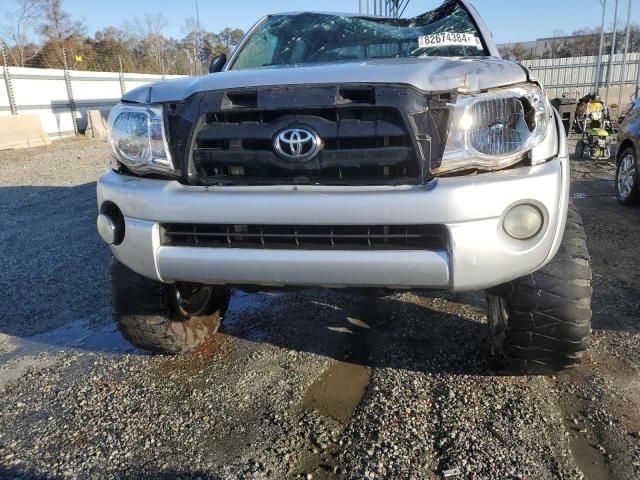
(170, 319)
(539, 324)
(579, 149)
(627, 177)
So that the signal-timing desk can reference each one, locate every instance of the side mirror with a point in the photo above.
(218, 63)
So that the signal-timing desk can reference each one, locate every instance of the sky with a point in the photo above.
(510, 20)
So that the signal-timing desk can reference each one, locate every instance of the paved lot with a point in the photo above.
(313, 384)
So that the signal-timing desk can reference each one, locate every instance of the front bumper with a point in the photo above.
(480, 254)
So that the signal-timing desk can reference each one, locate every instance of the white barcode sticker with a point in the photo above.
(448, 39)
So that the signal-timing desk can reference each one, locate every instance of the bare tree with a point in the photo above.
(154, 26)
(190, 26)
(148, 32)
(60, 32)
(57, 24)
(139, 46)
(519, 52)
(17, 33)
(505, 51)
(193, 41)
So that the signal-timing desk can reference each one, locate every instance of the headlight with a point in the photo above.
(495, 130)
(138, 138)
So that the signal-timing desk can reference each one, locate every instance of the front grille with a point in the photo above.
(369, 136)
(359, 145)
(307, 237)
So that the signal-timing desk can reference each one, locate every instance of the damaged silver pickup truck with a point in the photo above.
(348, 151)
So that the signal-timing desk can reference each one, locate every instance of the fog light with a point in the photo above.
(110, 224)
(523, 222)
(106, 229)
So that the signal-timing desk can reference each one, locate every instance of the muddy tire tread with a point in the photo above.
(147, 319)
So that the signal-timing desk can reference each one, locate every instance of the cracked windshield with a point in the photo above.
(306, 38)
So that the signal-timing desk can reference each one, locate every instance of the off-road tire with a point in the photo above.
(148, 315)
(579, 150)
(633, 196)
(540, 323)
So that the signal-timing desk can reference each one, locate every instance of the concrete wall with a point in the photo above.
(43, 92)
(21, 131)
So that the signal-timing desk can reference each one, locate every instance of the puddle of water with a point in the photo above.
(593, 189)
(341, 387)
(358, 323)
(339, 390)
(344, 330)
(590, 460)
(582, 195)
(76, 335)
(337, 393)
(81, 335)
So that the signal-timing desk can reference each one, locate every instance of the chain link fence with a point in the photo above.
(91, 61)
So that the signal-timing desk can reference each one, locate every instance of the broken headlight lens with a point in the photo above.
(497, 129)
(138, 138)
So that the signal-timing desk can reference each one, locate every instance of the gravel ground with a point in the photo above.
(52, 258)
(313, 384)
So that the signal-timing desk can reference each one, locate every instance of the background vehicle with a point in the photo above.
(627, 159)
(346, 151)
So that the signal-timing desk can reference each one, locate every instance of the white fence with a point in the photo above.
(578, 74)
(56, 99)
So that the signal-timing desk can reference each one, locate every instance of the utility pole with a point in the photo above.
(623, 74)
(604, 11)
(613, 52)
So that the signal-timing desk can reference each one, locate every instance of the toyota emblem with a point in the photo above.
(297, 144)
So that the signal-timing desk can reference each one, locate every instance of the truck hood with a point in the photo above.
(430, 74)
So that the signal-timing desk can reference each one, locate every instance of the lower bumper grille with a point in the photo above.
(307, 237)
